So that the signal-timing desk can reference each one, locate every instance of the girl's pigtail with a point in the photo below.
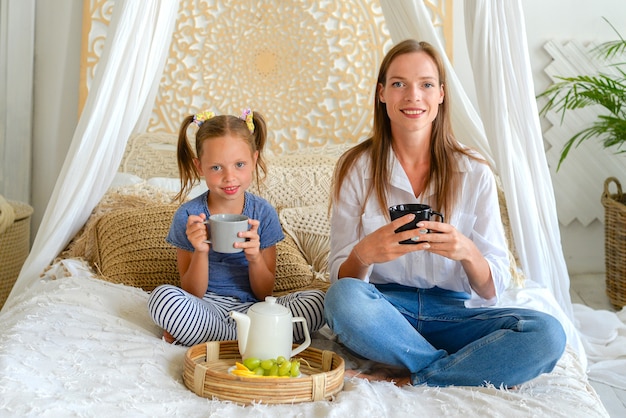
(260, 137)
(186, 168)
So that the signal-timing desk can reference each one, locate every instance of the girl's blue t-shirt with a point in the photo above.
(228, 273)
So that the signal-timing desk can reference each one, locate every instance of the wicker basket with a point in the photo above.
(206, 374)
(615, 243)
(14, 245)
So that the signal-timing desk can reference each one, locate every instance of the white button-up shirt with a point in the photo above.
(476, 215)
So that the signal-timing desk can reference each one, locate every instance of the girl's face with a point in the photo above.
(412, 93)
(228, 168)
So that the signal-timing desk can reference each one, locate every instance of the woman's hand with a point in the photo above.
(197, 232)
(446, 241)
(380, 246)
(384, 245)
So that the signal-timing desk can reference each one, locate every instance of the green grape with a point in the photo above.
(268, 363)
(284, 368)
(259, 371)
(280, 360)
(295, 368)
(252, 363)
(273, 370)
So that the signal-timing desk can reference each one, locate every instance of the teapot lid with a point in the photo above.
(269, 307)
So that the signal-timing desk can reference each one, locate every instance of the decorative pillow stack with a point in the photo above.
(124, 240)
(125, 236)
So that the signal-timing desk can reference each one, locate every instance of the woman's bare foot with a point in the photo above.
(397, 377)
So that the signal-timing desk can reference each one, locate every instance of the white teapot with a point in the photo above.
(266, 331)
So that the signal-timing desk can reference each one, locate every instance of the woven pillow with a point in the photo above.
(517, 275)
(309, 227)
(130, 246)
(292, 270)
(140, 196)
(297, 180)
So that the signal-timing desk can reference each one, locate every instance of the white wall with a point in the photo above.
(561, 20)
(574, 20)
(58, 34)
(57, 51)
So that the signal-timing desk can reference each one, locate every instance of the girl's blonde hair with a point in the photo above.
(216, 127)
(444, 175)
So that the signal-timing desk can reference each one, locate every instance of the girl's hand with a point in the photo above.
(197, 232)
(252, 245)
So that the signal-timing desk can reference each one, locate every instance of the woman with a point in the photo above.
(426, 306)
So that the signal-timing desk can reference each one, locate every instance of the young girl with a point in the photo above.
(228, 150)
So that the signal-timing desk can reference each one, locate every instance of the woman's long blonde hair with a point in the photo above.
(444, 167)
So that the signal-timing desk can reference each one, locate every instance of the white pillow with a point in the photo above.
(125, 179)
(173, 185)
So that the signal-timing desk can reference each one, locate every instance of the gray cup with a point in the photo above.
(223, 229)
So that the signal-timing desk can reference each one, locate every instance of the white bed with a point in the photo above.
(75, 345)
(72, 344)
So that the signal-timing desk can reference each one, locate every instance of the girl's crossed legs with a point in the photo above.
(191, 320)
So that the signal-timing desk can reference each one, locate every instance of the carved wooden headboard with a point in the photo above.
(308, 66)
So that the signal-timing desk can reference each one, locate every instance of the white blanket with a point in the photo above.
(73, 345)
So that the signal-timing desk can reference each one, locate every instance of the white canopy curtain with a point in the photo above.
(119, 103)
(497, 45)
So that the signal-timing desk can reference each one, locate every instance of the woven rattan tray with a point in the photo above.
(206, 373)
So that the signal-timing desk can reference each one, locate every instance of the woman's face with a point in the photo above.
(227, 166)
(412, 93)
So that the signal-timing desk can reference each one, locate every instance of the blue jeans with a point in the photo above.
(440, 341)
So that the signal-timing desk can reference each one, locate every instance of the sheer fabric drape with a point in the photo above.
(496, 38)
(120, 102)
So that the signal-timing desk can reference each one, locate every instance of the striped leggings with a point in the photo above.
(191, 320)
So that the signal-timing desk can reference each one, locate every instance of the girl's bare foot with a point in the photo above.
(397, 377)
(168, 337)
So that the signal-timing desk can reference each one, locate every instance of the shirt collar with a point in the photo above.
(400, 180)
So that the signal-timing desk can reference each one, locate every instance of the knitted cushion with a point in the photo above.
(292, 270)
(309, 226)
(131, 247)
(517, 275)
(297, 180)
(140, 196)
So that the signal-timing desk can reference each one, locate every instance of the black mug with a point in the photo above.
(422, 213)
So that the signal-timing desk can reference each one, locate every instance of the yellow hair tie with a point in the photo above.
(199, 118)
(248, 117)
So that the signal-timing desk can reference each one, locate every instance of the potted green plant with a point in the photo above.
(607, 91)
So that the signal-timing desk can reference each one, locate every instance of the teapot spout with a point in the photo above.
(243, 328)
